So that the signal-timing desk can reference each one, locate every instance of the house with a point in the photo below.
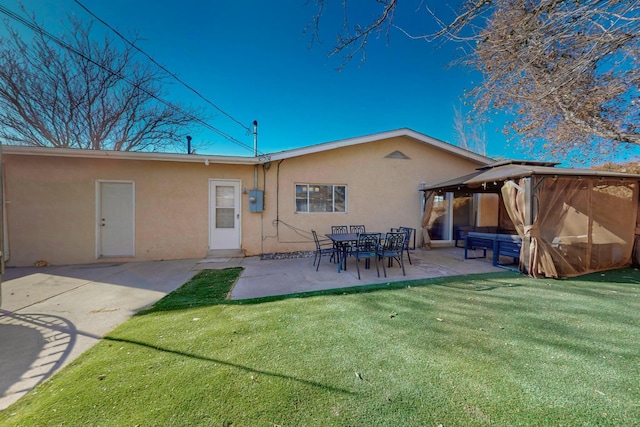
(67, 206)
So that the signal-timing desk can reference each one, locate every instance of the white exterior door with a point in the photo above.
(224, 214)
(115, 219)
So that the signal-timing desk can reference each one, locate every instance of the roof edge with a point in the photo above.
(520, 163)
(126, 155)
(476, 182)
(445, 146)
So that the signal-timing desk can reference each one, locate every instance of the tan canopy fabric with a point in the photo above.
(597, 230)
(429, 197)
(514, 202)
(579, 225)
(513, 195)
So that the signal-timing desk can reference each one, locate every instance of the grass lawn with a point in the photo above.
(492, 349)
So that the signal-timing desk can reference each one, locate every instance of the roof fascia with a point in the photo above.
(127, 155)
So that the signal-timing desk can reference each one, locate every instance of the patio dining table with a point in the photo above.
(342, 240)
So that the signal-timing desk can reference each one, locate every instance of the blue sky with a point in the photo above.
(252, 59)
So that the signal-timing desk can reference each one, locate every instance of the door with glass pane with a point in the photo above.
(440, 220)
(450, 211)
(224, 214)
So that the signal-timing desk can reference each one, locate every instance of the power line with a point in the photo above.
(161, 66)
(70, 48)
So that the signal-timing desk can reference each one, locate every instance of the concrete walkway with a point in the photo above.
(51, 315)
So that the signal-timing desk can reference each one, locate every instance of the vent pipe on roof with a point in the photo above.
(255, 138)
(188, 144)
(255, 153)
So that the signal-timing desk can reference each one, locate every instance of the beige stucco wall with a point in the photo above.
(488, 210)
(51, 207)
(51, 200)
(381, 192)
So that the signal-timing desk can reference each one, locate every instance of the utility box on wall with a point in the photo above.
(256, 201)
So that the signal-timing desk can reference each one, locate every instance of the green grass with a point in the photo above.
(493, 349)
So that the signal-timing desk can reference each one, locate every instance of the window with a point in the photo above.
(225, 206)
(321, 198)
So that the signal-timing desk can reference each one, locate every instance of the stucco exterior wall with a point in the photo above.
(488, 210)
(51, 207)
(382, 192)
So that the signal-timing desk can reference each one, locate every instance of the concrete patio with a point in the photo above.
(286, 276)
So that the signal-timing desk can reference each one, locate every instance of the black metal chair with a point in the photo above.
(394, 244)
(367, 248)
(409, 233)
(339, 229)
(324, 247)
(357, 229)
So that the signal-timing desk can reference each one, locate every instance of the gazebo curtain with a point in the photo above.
(429, 197)
(513, 195)
(551, 215)
(579, 225)
(596, 228)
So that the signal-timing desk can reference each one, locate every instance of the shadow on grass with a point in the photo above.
(231, 364)
(212, 287)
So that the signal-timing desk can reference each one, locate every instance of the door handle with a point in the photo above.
(237, 216)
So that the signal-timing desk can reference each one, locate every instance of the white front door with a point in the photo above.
(224, 214)
(115, 219)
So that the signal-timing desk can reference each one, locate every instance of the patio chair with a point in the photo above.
(366, 248)
(339, 229)
(409, 232)
(394, 244)
(324, 247)
(357, 229)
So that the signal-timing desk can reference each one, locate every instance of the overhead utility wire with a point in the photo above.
(162, 67)
(44, 32)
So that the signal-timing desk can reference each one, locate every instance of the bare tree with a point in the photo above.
(567, 71)
(74, 92)
(469, 135)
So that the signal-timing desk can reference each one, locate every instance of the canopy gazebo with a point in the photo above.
(571, 221)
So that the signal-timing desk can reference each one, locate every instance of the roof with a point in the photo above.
(245, 160)
(486, 179)
(126, 155)
(420, 137)
(518, 162)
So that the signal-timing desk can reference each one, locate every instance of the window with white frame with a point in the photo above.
(321, 198)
